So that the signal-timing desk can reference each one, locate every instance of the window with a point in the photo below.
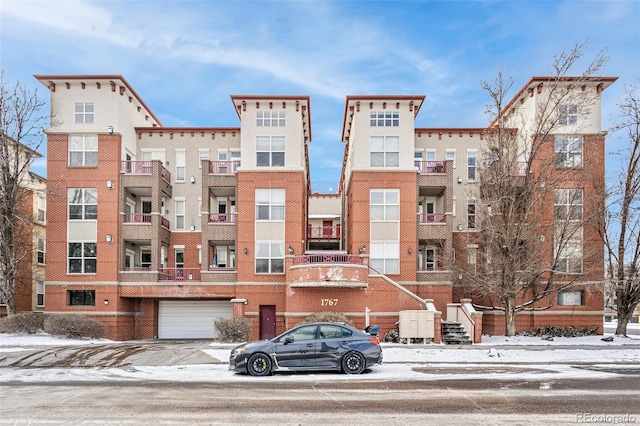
(570, 298)
(334, 332)
(384, 118)
(568, 150)
(270, 204)
(41, 251)
(82, 258)
(568, 115)
(270, 151)
(83, 150)
(84, 112)
(81, 297)
(307, 332)
(568, 204)
(235, 159)
(418, 157)
(269, 257)
(42, 210)
(472, 255)
(270, 119)
(203, 154)
(471, 214)
(471, 165)
(385, 151)
(179, 257)
(145, 257)
(83, 203)
(179, 214)
(451, 155)
(40, 293)
(180, 164)
(385, 204)
(385, 257)
(569, 254)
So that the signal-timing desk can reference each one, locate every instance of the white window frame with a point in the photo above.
(181, 164)
(384, 257)
(567, 115)
(203, 154)
(387, 148)
(472, 155)
(271, 147)
(568, 204)
(273, 253)
(85, 147)
(83, 258)
(384, 118)
(570, 298)
(472, 259)
(85, 202)
(41, 247)
(569, 151)
(470, 215)
(384, 204)
(272, 202)
(40, 293)
(450, 154)
(83, 112)
(270, 118)
(42, 210)
(180, 212)
(143, 251)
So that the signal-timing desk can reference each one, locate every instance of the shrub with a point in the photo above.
(328, 317)
(554, 331)
(74, 326)
(24, 322)
(234, 330)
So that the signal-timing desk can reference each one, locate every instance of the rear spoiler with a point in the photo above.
(372, 330)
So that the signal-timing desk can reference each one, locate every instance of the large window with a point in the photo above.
(83, 150)
(83, 203)
(385, 257)
(82, 258)
(384, 118)
(180, 214)
(270, 204)
(568, 204)
(568, 115)
(269, 257)
(471, 214)
(451, 155)
(270, 151)
(84, 112)
(270, 119)
(472, 259)
(385, 151)
(81, 297)
(385, 204)
(570, 298)
(569, 254)
(472, 159)
(568, 150)
(40, 293)
(41, 251)
(203, 154)
(568, 212)
(181, 156)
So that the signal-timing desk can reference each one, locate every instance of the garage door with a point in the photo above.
(190, 319)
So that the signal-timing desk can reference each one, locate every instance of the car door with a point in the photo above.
(300, 352)
(333, 341)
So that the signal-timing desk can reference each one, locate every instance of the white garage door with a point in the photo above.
(190, 319)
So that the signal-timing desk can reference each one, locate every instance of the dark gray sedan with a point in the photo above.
(311, 346)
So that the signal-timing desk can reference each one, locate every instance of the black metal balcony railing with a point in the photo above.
(137, 218)
(432, 218)
(143, 168)
(322, 232)
(222, 217)
(223, 167)
(309, 259)
(431, 167)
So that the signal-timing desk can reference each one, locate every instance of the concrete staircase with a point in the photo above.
(453, 333)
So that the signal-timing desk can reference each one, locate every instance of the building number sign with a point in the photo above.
(328, 302)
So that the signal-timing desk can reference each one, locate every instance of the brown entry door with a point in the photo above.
(267, 321)
(327, 228)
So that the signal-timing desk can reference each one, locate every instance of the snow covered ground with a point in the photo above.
(517, 357)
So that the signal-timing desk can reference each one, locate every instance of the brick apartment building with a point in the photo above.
(157, 230)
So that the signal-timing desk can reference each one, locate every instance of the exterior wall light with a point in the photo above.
(246, 250)
(110, 130)
(193, 179)
(110, 184)
(109, 238)
(192, 227)
(290, 250)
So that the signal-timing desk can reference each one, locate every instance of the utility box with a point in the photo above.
(417, 325)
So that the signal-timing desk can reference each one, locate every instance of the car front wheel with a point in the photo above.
(259, 365)
(353, 363)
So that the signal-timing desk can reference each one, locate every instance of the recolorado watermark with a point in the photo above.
(614, 419)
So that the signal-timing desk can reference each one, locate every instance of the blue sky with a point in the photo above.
(185, 58)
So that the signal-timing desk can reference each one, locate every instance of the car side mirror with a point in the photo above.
(288, 339)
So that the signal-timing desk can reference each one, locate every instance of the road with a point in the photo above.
(269, 401)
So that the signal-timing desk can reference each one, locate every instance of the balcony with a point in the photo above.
(223, 167)
(146, 174)
(432, 218)
(434, 177)
(137, 218)
(431, 167)
(333, 270)
(220, 173)
(222, 218)
(322, 232)
(145, 226)
(433, 273)
(179, 274)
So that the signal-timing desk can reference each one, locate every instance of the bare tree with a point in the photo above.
(530, 231)
(622, 225)
(21, 121)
